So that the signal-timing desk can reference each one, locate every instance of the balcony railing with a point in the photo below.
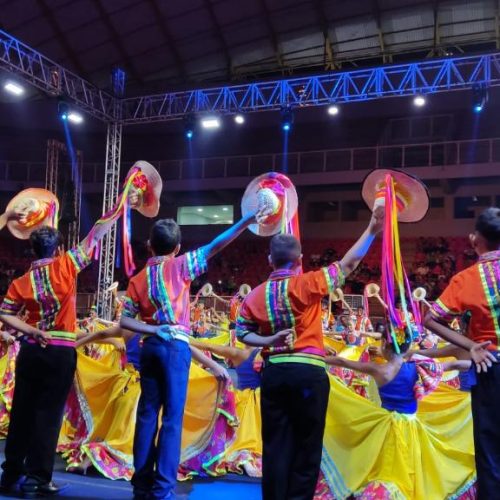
(436, 154)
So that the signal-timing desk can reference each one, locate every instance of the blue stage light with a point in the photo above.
(189, 134)
(479, 98)
(286, 118)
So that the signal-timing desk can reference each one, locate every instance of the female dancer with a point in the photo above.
(393, 451)
(245, 453)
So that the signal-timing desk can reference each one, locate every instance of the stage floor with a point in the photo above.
(95, 487)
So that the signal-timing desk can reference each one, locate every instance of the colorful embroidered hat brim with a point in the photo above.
(151, 198)
(50, 204)
(283, 189)
(411, 193)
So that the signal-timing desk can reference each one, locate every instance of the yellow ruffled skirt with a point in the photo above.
(374, 453)
(245, 453)
(101, 411)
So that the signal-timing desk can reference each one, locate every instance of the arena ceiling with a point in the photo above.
(183, 43)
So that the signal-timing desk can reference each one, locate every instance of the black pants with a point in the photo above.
(294, 398)
(486, 414)
(43, 380)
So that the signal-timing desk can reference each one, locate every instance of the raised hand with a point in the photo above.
(377, 220)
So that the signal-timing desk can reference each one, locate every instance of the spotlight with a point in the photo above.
(286, 118)
(210, 122)
(63, 110)
(225, 209)
(199, 209)
(333, 110)
(419, 101)
(73, 117)
(216, 216)
(189, 126)
(239, 119)
(14, 88)
(480, 98)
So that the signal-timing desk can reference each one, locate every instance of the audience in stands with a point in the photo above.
(430, 262)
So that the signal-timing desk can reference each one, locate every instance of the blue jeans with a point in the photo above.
(164, 369)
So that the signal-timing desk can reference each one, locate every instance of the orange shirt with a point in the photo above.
(159, 294)
(476, 289)
(234, 307)
(290, 301)
(48, 294)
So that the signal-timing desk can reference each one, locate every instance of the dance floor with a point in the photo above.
(96, 487)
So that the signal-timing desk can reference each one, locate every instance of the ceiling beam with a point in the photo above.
(272, 34)
(219, 35)
(115, 38)
(330, 63)
(162, 23)
(386, 58)
(61, 37)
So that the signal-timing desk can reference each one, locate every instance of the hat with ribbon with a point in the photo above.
(39, 208)
(412, 196)
(276, 193)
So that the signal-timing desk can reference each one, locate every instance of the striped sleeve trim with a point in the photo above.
(245, 326)
(197, 263)
(10, 307)
(130, 308)
(334, 276)
(79, 258)
(439, 310)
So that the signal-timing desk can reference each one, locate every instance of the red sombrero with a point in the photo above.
(149, 183)
(411, 193)
(41, 208)
(276, 191)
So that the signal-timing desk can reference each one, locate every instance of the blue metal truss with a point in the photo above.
(428, 76)
(52, 78)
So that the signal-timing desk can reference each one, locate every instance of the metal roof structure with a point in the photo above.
(167, 45)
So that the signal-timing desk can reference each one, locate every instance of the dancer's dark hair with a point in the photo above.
(285, 249)
(488, 226)
(45, 241)
(165, 235)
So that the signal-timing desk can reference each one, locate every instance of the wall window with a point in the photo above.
(469, 207)
(202, 215)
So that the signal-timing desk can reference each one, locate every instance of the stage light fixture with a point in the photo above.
(63, 110)
(14, 88)
(480, 98)
(74, 117)
(286, 118)
(199, 209)
(210, 122)
(189, 127)
(333, 110)
(419, 101)
(225, 209)
(239, 119)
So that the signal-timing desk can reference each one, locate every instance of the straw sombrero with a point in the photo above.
(276, 191)
(151, 185)
(411, 193)
(41, 207)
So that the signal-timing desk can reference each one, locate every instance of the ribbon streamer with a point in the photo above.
(394, 278)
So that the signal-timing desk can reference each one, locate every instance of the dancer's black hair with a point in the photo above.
(285, 249)
(488, 226)
(45, 242)
(164, 237)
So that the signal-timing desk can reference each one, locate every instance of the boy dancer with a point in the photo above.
(159, 295)
(295, 386)
(44, 369)
(477, 290)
